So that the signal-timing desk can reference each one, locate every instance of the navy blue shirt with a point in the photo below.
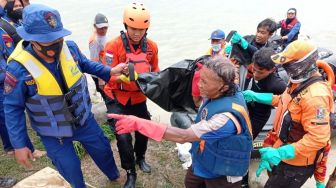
(6, 45)
(19, 85)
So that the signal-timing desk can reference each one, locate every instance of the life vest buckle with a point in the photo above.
(72, 107)
(72, 92)
(76, 120)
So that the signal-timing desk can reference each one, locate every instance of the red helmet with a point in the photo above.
(136, 15)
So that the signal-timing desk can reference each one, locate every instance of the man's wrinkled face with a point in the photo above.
(210, 84)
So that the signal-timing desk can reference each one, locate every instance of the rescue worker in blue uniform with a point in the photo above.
(10, 19)
(45, 77)
(221, 136)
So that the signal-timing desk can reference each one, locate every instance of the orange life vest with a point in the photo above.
(144, 60)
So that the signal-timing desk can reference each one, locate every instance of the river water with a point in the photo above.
(181, 29)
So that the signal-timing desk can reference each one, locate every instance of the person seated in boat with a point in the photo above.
(289, 27)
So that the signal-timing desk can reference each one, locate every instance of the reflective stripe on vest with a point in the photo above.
(45, 81)
(53, 113)
(228, 156)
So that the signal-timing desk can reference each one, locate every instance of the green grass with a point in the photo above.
(9, 167)
(107, 131)
(166, 168)
(81, 152)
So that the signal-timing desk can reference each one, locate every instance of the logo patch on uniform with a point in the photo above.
(108, 58)
(74, 70)
(149, 54)
(51, 19)
(30, 82)
(204, 113)
(321, 113)
(7, 40)
(10, 82)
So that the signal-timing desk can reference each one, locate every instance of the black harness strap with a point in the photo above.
(10, 30)
(304, 85)
(144, 43)
(126, 44)
(131, 71)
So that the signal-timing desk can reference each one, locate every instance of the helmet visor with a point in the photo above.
(302, 66)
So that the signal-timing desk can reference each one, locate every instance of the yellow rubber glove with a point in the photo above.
(126, 79)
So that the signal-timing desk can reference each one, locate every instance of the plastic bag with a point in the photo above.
(171, 87)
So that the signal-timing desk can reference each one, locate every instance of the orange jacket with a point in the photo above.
(115, 53)
(212, 53)
(311, 108)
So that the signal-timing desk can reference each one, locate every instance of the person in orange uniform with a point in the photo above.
(302, 124)
(217, 43)
(123, 95)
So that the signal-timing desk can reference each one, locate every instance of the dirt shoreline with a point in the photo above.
(167, 171)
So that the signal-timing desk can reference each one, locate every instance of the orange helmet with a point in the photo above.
(298, 59)
(136, 15)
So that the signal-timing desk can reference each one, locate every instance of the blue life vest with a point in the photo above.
(51, 111)
(228, 156)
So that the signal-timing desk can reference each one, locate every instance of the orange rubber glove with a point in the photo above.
(128, 124)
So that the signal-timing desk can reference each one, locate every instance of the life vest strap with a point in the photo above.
(131, 71)
(74, 121)
(235, 121)
(72, 92)
(127, 46)
(244, 113)
(73, 106)
(305, 84)
(50, 101)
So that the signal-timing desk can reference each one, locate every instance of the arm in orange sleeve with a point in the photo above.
(315, 121)
(275, 100)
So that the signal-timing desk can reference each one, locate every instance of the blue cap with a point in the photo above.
(217, 34)
(41, 23)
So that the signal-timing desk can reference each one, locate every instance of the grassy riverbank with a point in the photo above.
(166, 168)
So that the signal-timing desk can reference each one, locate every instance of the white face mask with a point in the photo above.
(216, 47)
